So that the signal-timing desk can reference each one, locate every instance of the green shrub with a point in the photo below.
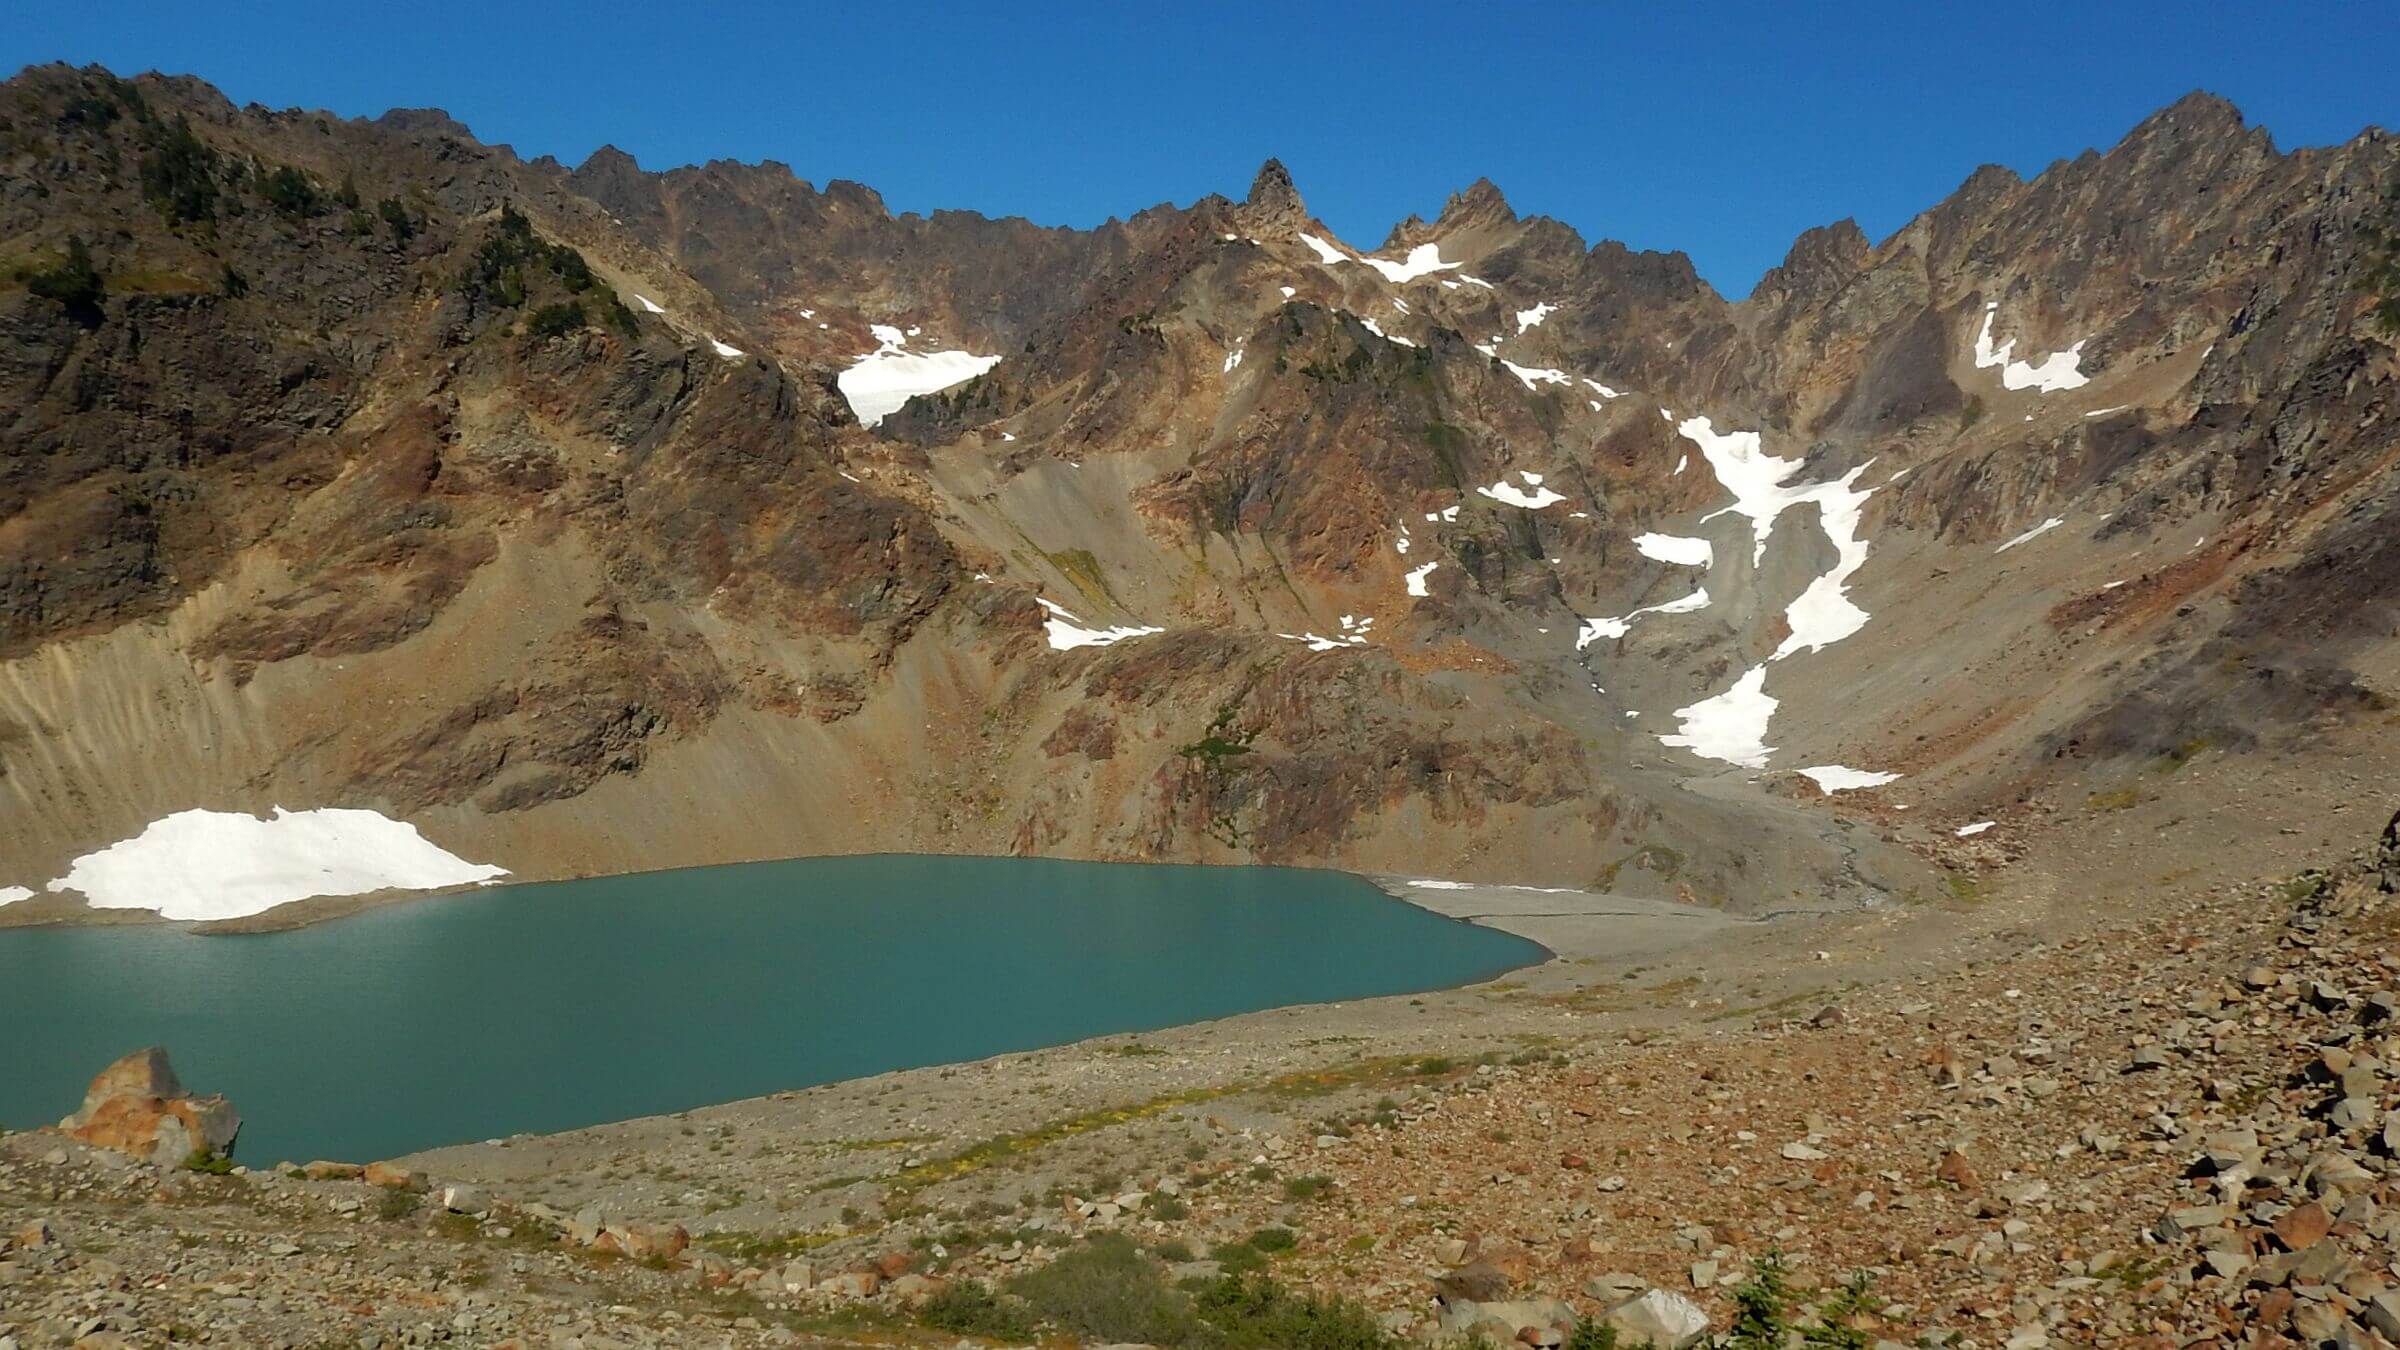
(1110, 1290)
(289, 191)
(1166, 1207)
(1253, 1312)
(970, 1308)
(1308, 1187)
(213, 1164)
(394, 1205)
(1271, 1240)
(395, 216)
(179, 175)
(551, 320)
(1592, 1336)
(75, 284)
(1238, 1258)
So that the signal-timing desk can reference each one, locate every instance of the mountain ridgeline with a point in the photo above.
(597, 518)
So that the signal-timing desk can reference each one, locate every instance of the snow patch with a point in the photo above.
(2057, 371)
(879, 382)
(1675, 548)
(1416, 579)
(1533, 376)
(2035, 533)
(203, 865)
(648, 305)
(1595, 629)
(1421, 260)
(1354, 633)
(2103, 412)
(1326, 253)
(1970, 831)
(1836, 778)
(1532, 318)
(1601, 389)
(1731, 726)
(725, 349)
(1067, 632)
(1233, 358)
(1535, 500)
(1824, 613)
(10, 895)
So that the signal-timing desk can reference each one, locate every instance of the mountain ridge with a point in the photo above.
(566, 477)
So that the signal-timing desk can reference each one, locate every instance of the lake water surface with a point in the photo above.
(553, 1005)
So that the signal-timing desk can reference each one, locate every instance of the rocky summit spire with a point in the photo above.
(1479, 204)
(1273, 198)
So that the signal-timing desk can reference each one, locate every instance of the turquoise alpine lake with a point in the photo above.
(552, 1005)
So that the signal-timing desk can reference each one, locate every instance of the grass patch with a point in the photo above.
(1079, 566)
(2123, 799)
(763, 1249)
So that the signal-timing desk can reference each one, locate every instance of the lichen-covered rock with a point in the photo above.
(138, 1106)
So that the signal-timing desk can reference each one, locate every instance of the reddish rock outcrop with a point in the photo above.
(138, 1106)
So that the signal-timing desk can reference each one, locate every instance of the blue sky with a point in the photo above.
(1719, 129)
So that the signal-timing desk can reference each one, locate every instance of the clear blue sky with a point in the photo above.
(1722, 130)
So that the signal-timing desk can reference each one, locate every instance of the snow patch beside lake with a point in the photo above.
(1836, 778)
(1066, 632)
(2057, 371)
(1676, 548)
(1731, 726)
(10, 895)
(203, 865)
(879, 382)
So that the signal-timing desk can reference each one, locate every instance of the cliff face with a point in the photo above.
(385, 469)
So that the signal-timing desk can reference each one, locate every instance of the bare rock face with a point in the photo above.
(138, 1106)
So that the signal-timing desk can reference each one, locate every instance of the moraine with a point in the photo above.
(553, 1005)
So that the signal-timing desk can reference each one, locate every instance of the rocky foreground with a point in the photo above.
(2176, 1131)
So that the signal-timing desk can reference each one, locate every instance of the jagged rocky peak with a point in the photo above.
(1480, 206)
(1273, 200)
(1818, 263)
(425, 121)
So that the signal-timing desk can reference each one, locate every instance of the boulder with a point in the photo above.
(1481, 1282)
(1661, 1317)
(1506, 1321)
(645, 1241)
(392, 1177)
(138, 1106)
(332, 1171)
(466, 1200)
(913, 1289)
